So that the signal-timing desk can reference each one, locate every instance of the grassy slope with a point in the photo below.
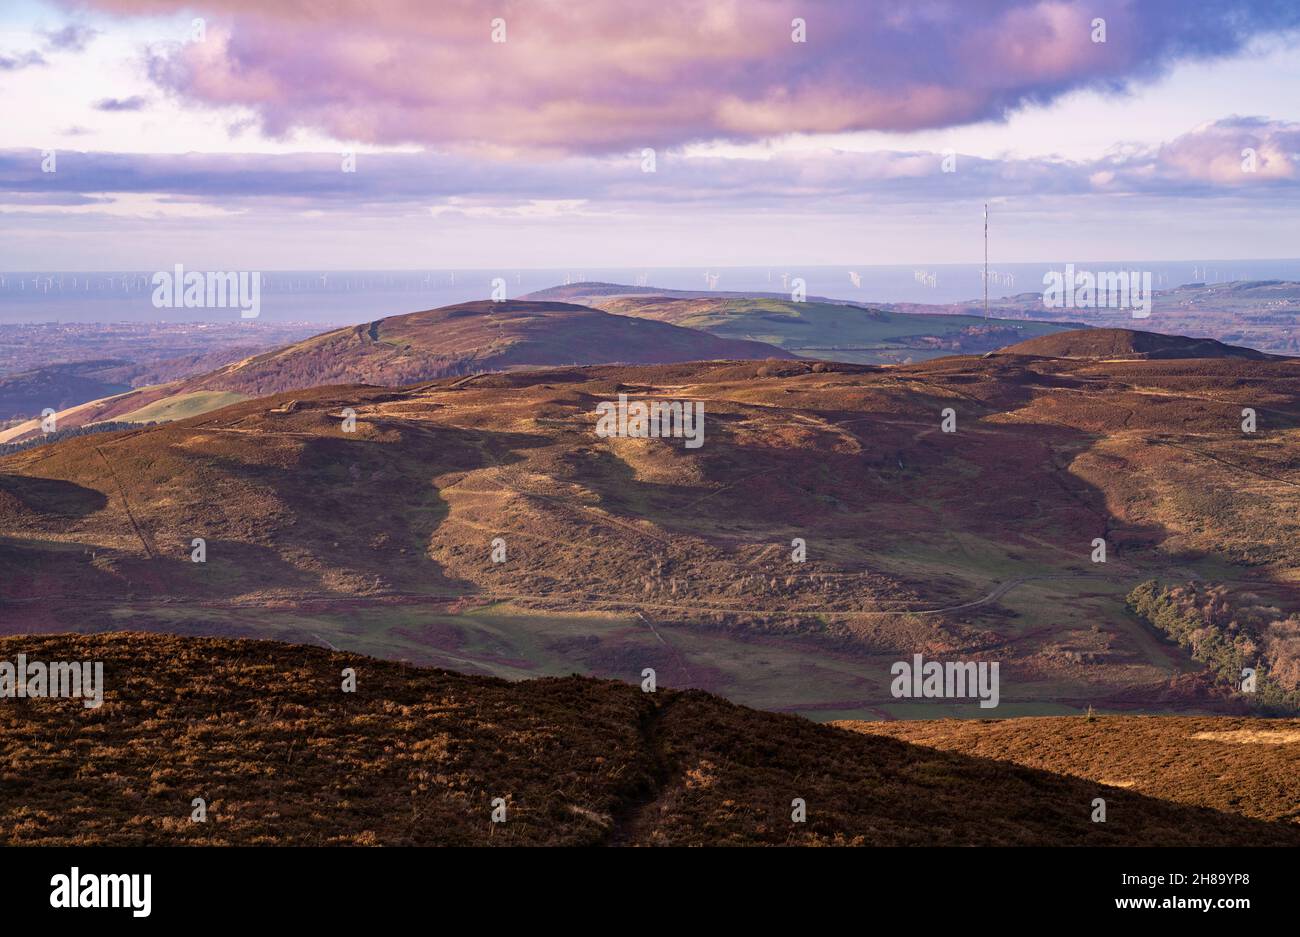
(831, 331)
(378, 541)
(467, 338)
(181, 406)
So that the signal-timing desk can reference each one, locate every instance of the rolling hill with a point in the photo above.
(1128, 345)
(59, 387)
(61, 366)
(1259, 314)
(625, 553)
(452, 341)
(1247, 766)
(815, 328)
(264, 734)
(472, 338)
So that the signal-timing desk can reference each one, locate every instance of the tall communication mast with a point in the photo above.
(986, 260)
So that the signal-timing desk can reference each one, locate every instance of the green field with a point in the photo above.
(797, 674)
(840, 333)
(182, 406)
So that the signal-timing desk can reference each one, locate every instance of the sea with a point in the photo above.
(345, 297)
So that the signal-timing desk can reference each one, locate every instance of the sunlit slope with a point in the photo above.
(455, 340)
(1248, 766)
(622, 553)
(833, 331)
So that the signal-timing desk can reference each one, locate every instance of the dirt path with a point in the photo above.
(1003, 588)
(682, 666)
(145, 541)
(1214, 458)
(635, 818)
(585, 596)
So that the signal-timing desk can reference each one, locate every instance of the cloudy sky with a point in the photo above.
(504, 133)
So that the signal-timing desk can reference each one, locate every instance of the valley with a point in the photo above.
(623, 554)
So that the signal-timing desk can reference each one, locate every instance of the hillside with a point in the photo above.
(1127, 344)
(1259, 314)
(623, 553)
(452, 341)
(59, 387)
(1247, 766)
(589, 293)
(264, 734)
(816, 328)
(63, 365)
(470, 338)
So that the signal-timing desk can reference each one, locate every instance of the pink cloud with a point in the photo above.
(1235, 151)
(608, 76)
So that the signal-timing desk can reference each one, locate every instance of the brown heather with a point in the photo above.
(974, 544)
(1241, 765)
(263, 732)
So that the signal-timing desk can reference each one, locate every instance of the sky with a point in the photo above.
(409, 134)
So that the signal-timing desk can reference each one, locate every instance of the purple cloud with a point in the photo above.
(609, 76)
(133, 103)
(1235, 151)
(71, 38)
(18, 60)
(1206, 162)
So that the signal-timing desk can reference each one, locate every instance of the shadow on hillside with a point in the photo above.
(357, 514)
(896, 793)
(282, 760)
(366, 511)
(78, 582)
(49, 496)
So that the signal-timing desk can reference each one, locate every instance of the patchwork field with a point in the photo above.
(835, 331)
